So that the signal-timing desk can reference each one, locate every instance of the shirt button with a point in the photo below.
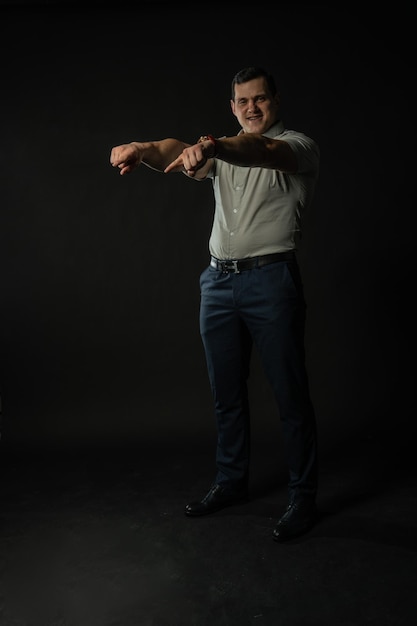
(232, 233)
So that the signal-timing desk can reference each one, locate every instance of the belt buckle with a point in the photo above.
(231, 266)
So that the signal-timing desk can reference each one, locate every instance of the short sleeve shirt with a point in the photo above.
(258, 210)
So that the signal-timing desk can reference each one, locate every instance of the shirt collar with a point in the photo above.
(275, 129)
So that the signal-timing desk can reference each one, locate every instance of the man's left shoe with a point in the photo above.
(299, 518)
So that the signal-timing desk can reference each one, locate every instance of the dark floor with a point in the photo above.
(99, 538)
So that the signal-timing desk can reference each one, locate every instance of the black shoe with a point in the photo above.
(217, 498)
(297, 519)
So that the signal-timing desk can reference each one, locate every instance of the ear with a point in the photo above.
(232, 104)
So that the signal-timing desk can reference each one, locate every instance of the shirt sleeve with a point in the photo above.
(306, 150)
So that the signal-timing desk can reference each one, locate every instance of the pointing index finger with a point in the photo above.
(175, 165)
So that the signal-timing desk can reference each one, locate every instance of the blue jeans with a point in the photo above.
(264, 307)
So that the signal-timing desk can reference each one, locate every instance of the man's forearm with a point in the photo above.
(253, 150)
(158, 154)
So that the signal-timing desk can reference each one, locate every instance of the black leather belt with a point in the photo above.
(235, 266)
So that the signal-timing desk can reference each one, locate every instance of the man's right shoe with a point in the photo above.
(216, 499)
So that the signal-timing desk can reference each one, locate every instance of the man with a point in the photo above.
(251, 292)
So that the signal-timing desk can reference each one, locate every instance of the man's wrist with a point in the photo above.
(213, 141)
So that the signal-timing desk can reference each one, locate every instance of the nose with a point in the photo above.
(252, 105)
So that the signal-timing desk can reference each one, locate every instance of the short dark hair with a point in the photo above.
(249, 73)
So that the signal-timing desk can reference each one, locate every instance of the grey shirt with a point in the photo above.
(258, 210)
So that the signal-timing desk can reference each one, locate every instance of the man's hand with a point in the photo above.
(126, 157)
(191, 159)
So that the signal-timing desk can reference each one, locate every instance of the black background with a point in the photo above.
(99, 273)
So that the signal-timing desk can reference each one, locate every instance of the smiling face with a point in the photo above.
(254, 106)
